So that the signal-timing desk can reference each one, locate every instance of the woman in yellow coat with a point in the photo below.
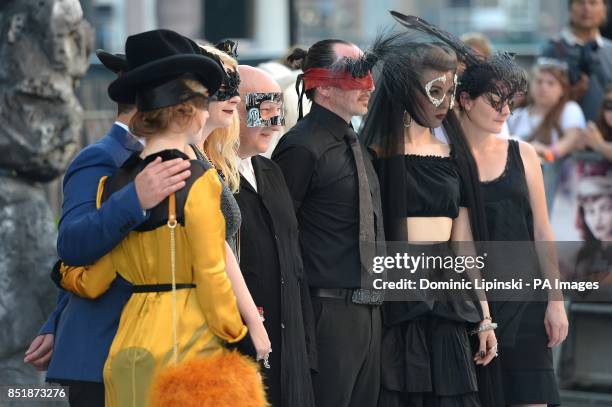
(182, 306)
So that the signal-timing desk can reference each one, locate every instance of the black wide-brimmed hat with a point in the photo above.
(157, 57)
(114, 62)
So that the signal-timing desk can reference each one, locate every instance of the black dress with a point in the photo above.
(527, 363)
(426, 354)
(271, 263)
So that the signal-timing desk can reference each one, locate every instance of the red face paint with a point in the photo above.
(316, 77)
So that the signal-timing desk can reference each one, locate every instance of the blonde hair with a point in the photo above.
(221, 145)
(150, 123)
(479, 42)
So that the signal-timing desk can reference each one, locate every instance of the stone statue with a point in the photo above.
(44, 50)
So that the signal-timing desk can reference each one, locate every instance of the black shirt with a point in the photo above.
(320, 171)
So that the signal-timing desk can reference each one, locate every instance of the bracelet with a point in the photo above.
(555, 151)
(549, 156)
(487, 317)
(484, 327)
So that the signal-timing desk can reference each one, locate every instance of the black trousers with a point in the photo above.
(348, 345)
(83, 394)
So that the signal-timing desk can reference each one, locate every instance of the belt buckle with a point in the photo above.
(367, 297)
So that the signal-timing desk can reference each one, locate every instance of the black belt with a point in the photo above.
(357, 296)
(341, 293)
(157, 288)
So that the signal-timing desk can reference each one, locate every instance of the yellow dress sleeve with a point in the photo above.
(205, 228)
(90, 281)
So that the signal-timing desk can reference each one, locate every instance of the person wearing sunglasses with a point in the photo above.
(513, 192)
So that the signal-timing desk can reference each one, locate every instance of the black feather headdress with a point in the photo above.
(408, 58)
(464, 52)
(357, 67)
(498, 78)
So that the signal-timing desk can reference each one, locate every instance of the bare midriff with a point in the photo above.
(426, 229)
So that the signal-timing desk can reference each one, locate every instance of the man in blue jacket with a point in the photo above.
(79, 332)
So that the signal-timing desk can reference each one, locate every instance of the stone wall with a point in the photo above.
(44, 51)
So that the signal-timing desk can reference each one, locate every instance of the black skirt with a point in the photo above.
(427, 362)
(527, 365)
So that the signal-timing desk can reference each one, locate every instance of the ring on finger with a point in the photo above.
(266, 361)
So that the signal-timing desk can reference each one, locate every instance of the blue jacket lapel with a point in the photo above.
(127, 140)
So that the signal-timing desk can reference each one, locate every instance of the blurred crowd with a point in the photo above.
(567, 117)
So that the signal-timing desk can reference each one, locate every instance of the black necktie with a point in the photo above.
(367, 231)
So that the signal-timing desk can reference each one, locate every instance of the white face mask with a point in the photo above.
(438, 101)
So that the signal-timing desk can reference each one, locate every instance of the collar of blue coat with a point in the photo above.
(125, 138)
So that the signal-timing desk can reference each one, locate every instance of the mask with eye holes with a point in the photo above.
(264, 109)
(438, 101)
(229, 88)
(498, 78)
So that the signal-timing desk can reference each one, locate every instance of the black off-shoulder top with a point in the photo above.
(433, 186)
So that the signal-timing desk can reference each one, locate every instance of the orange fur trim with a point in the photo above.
(228, 379)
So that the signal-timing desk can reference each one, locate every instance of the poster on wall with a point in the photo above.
(582, 214)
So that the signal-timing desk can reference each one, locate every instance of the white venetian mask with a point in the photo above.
(438, 101)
